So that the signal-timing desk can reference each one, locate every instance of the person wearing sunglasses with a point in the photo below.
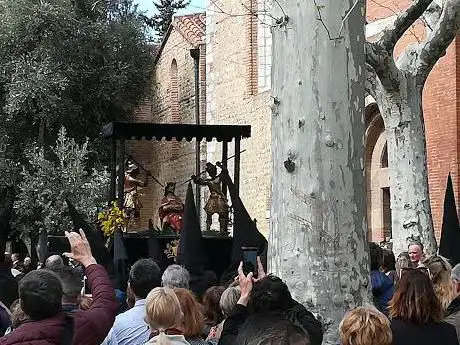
(416, 313)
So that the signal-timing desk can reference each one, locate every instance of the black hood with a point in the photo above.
(191, 253)
(449, 245)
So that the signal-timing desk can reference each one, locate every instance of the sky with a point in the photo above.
(195, 6)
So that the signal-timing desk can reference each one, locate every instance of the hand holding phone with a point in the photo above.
(250, 261)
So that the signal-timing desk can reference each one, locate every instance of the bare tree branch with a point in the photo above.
(402, 23)
(383, 65)
(437, 42)
(431, 16)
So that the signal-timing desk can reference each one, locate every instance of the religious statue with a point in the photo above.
(132, 205)
(171, 209)
(217, 202)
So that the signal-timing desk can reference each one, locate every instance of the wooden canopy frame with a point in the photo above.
(118, 132)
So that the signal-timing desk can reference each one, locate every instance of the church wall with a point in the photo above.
(234, 97)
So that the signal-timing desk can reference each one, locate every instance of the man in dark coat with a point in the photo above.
(41, 293)
(268, 296)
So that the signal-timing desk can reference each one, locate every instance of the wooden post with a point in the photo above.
(237, 165)
(224, 163)
(121, 173)
(113, 171)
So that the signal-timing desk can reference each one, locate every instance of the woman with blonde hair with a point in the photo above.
(365, 326)
(416, 313)
(440, 273)
(164, 315)
(193, 321)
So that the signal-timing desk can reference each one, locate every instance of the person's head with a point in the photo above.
(193, 321)
(270, 294)
(455, 275)
(176, 276)
(229, 299)
(415, 249)
(414, 299)
(267, 329)
(440, 273)
(144, 276)
(54, 263)
(389, 261)
(72, 283)
(211, 169)
(365, 326)
(163, 310)
(40, 293)
(403, 261)
(376, 254)
(170, 188)
(211, 299)
(15, 257)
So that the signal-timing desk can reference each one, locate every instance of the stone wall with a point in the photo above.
(172, 101)
(233, 97)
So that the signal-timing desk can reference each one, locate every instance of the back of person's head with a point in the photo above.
(229, 299)
(365, 326)
(414, 299)
(193, 321)
(54, 263)
(211, 300)
(199, 283)
(176, 276)
(40, 293)
(144, 276)
(440, 272)
(402, 262)
(270, 294)
(72, 283)
(267, 329)
(376, 254)
(389, 260)
(163, 312)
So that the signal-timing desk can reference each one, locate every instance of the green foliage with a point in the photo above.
(77, 64)
(166, 10)
(48, 182)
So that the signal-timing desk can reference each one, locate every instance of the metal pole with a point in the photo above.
(195, 53)
(224, 163)
(237, 164)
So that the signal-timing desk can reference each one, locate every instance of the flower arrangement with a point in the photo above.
(111, 219)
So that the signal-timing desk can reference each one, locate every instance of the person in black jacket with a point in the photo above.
(416, 312)
(268, 295)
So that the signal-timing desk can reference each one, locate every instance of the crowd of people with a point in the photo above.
(416, 299)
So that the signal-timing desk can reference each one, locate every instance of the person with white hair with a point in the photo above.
(453, 311)
(176, 276)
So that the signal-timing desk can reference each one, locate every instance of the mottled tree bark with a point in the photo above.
(318, 242)
(397, 87)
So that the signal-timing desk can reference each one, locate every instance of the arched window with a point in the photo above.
(174, 104)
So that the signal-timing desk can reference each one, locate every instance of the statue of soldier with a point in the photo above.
(217, 202)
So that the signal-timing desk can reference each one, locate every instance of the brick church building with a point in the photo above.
(232, 49)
